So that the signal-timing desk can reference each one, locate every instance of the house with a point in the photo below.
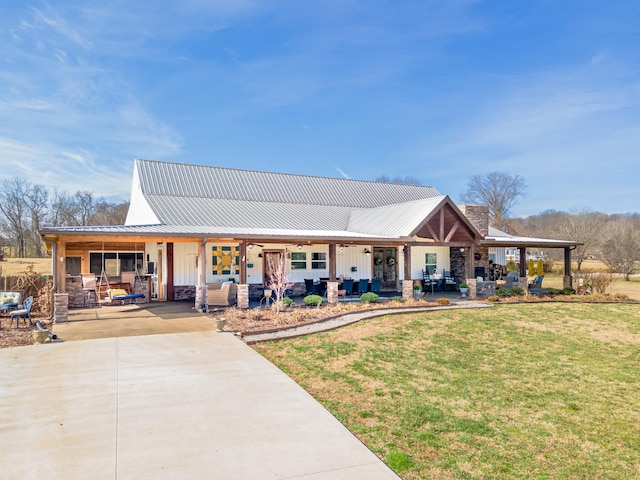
(189, 225)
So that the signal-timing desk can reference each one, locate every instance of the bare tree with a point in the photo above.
(37, 202)
(277, 280)
(621, 247)
(497, 190)
(583, 227)
(14, 212)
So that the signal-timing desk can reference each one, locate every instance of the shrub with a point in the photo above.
(569, 291)
(553, 291)
(417, 287)
(516, 291)
(397, 298)
(313, 300)
(502, 292)
(287, 301)
(369, 297)
(494, 298)
(443, 301)
(512, 266)
(548, 265)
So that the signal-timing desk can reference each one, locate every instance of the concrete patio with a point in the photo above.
(161, 395)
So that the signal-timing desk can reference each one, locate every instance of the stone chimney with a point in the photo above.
(478, 215)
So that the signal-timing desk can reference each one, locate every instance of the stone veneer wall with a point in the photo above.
(184, 292)
(73, 287)
(458, 268)
(478, 215)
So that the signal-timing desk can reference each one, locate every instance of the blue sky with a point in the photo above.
(437, 90)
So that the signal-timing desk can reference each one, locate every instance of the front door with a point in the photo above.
(385, 266)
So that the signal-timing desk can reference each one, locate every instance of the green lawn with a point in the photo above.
(514, 391)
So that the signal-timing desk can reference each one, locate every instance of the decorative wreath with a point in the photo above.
(377, 261)
(391, 261)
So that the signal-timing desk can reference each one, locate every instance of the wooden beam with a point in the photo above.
(332, 262)
(523, 261)
(432, 233)
(441, 223)
(407, 262)
(453, 230)
(170, 290)
(243, 262)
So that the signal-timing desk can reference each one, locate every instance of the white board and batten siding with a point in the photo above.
(186, 255)
(418, 259)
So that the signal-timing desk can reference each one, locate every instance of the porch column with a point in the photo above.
(332, 263)
(523, 261)
(201, 288)
(60, 270)
(243, 286)
(170, 280)
(407, 283)
(567, 280)
(471, 262)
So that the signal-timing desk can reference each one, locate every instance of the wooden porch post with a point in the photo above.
(407, 262)
(243, 262)
(332, 262)
(523, 261)
(407, 283)
(61, 271)
(170, 290)
(567, 281)
(201, 300)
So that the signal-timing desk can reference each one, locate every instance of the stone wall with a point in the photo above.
(478, 215)
(458, 264)
(184, 292)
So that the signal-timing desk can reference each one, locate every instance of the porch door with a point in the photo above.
(269, 258)
(385, 266)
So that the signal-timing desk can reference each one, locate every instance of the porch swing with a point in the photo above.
(110, 295)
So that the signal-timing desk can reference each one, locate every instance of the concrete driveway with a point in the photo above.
(181, 405)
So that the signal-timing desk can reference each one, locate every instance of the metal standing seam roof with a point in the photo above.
(497, 237)
(398, 220)
(185, 180)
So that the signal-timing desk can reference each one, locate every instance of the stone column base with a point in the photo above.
(567, 282)
(523, 284)
(407, 289)
(243, 295)
(332, 292)
(60, 307)
(473, 287)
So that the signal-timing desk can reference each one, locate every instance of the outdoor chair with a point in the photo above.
(347, 286)
(535, 286)
(312, 288)
(24, 312)
(449, 283)
(89, 288)
(376, 283)
(363, 286)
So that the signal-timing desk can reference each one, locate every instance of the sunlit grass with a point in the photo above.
(515, 391)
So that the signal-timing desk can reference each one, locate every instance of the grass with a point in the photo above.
(515, 391)
(17, 266)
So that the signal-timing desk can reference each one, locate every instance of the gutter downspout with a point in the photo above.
(54, 287)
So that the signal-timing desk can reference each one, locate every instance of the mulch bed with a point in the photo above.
(15, 337)
(265, 319)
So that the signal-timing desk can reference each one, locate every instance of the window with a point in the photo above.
(298, 260)
(73, 265)
(115, 262)
(318, 261)
(431, 263)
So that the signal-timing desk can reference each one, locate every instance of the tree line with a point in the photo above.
(612, 239)
(25, 207)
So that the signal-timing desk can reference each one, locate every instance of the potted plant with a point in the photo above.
(220, 323)
(464, 289)
(417, 292)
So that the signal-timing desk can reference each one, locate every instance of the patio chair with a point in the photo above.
(376, 283)
(363, 286)
(312, 288)
(449, 283)
(347, 286)
(24, 312)
(89, 287)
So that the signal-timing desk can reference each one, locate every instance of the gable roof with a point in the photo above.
(202, 201)
(200, 181)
